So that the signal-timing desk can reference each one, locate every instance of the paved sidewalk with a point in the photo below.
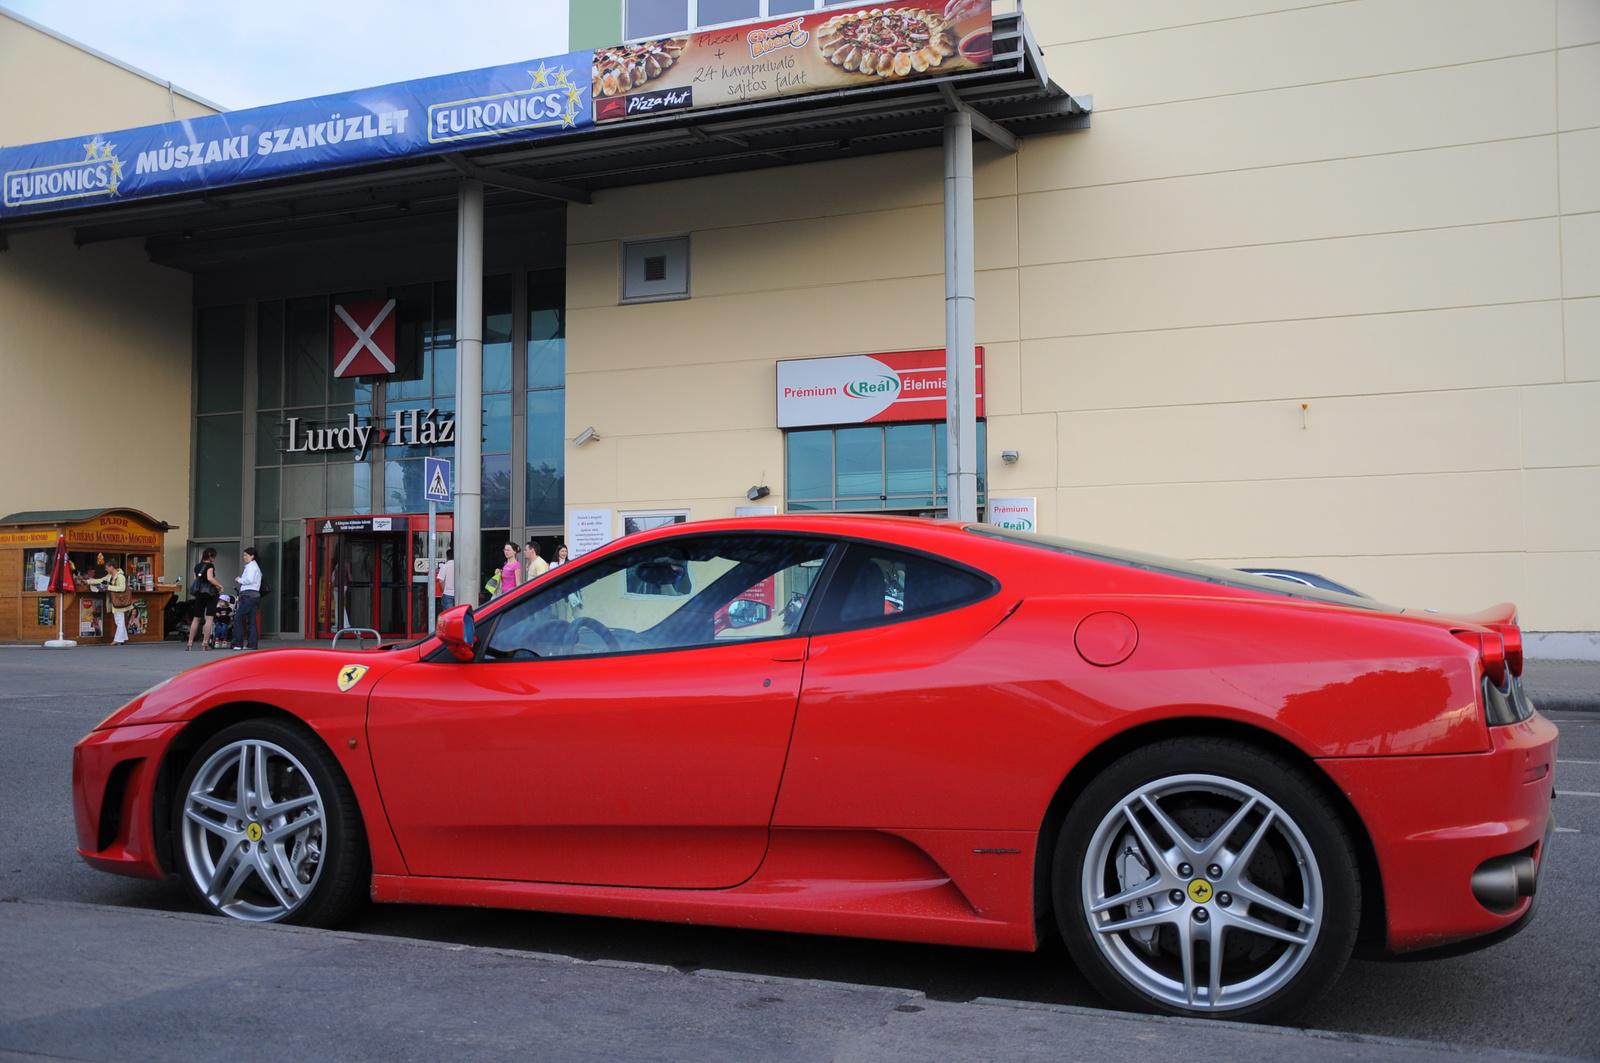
(1563, 686)
(97, 983)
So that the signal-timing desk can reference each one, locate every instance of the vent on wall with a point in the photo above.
(655, 269)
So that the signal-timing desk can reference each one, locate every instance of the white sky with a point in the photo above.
(241, 55)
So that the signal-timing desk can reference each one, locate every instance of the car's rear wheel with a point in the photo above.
(1204, 876)
(268, 828)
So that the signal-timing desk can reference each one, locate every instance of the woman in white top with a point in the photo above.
(115, 582)
(561, 556)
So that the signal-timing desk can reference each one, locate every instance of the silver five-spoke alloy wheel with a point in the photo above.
(253, 831)
(1202, 892)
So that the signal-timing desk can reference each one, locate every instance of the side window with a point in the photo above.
(665, 596)
(876, 585)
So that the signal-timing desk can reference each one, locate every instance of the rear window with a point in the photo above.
(1171, 566)
(876, 585)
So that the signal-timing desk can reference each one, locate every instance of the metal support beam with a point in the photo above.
(469, 393)
(960, 320)
(467, 168)
(980, 124)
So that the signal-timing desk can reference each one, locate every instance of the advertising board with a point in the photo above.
(866, 388)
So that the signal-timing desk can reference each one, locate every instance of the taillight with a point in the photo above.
(1492, 650)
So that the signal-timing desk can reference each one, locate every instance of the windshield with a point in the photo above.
(1170, 566)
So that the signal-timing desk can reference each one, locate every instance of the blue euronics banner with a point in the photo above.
(522, 101)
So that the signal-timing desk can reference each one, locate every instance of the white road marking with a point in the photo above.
(1564, 760)
(1568, 830)
(1577, 793)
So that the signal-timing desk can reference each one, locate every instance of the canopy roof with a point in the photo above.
(1012, 95)
(78, 516)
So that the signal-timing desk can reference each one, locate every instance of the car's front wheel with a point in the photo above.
(1204, 876)
(268, 829)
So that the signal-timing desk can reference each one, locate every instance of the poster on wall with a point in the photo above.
(139, 617)
(866, 388)
(587, 529)
(1017, 514)
(91, 618)
(792, 55)
(47, 612)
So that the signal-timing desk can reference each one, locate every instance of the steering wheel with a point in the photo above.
(575, 632)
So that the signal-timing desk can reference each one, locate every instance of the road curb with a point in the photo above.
(922, 1002)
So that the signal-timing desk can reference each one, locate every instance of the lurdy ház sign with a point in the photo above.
(412, 428)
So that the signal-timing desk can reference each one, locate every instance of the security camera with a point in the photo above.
(584, 436)
(758, 492)
(1009, 456)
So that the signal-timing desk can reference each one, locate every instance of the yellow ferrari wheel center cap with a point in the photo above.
(253, 832)
(1199, 891)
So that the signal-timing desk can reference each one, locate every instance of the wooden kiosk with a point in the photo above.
(27, 555)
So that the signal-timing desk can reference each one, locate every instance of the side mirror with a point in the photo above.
(457, 631)
(744, 613)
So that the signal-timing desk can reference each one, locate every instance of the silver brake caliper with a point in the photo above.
(1132, 869)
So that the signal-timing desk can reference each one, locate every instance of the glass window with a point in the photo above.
(301, 491)
(736, 582)
(496, 423)
(441, 339)
(876, 585)
(218, 467)
(267, 501)
(547, 329)
(885, 467)
(656, 18)
(269, 355)
(219, 350)
(547, 456)
(270, 582)
(36, 568)
(496, 490)
(638, 522)
(350, 487)
(497, 333)
(270, 428)
(712, 12)
(306, 352)
(413, 312)
(289, 581)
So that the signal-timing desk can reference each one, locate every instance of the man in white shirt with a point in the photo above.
(447, 581)
(248, 616)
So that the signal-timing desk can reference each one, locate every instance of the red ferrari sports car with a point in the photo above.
(1213, 785)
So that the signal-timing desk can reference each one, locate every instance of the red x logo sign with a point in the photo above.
(363, 338)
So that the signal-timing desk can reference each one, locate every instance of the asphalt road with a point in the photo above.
(1538, 992)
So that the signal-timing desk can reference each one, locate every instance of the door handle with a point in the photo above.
(790, 654)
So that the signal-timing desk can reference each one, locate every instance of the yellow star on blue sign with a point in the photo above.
(541, 77)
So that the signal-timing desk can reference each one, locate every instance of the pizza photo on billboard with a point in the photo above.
(887, 42)
(626, 67)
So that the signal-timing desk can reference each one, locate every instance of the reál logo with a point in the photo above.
(871, 389)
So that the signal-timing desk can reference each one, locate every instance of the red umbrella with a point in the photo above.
(61, 575)
(61, 583)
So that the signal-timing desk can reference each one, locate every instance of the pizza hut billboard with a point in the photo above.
(865, 388)
(792, 55)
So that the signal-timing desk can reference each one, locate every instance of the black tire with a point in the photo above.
(1302, 861)
(270, 860)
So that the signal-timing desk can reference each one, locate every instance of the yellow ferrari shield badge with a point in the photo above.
(1200, 891)
(350, 675)
(253, 832)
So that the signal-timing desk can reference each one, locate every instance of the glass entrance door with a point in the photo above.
(362, 583)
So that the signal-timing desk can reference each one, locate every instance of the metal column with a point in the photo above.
(960, 323)
(469, 393)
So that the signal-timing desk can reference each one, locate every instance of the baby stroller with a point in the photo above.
(222, 623)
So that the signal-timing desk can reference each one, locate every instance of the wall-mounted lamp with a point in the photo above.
(1009, 456)
(584, 436)
(761, 491)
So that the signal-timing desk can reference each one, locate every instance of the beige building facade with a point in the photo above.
(95, 341)
(1318, 287)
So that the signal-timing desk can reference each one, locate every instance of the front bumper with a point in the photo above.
(1435, 820)
(114, 773)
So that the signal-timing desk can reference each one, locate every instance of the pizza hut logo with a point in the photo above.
(610, 107)
(871, 389)
(788, 35)
(660, 100)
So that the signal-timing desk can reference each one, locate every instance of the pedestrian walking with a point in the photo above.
(509, 575)
(247, 619)
(204, 590)
(561, 556)
(447, 581)
(116, 582)
(536, 564)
